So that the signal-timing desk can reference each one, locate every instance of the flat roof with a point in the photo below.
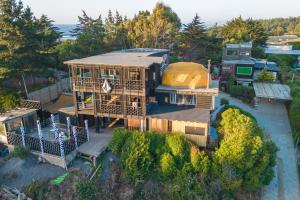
(272, 91)
(179, 113)
(16, 113)
(240, 45)
(139, 57)
(242, 62)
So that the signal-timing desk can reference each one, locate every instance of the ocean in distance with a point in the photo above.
(66, 29)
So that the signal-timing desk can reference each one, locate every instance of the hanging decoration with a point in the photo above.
(23, 135)
(106, 87)
(75, 136)
(69, 126)
(54, 128)
(40, 137)
(86, 124)
(61, 145)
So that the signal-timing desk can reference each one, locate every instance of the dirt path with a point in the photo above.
(273, 118)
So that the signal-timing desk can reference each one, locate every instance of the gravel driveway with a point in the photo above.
(18, 173)
(273, 118)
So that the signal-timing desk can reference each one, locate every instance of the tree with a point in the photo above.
(193, 38)
(297, 29)
(239, 30)
(235, 31)
(244, 158)
(136, 157)
(257, 32)
(278, 31)
(265, 76)
(26, 42)
(90, 35)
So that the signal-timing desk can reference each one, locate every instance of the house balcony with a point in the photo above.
(135, 111)
(83, 83)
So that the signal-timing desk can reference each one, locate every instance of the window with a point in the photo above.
(135, 102)
(78, 71)
(194, 130)
(134, 75)
(173, 98)
(154, 76)
(87, 72)
(166, 99)
(244, 53)
(231, 52)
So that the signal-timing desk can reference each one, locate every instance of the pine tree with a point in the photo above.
(193, 38)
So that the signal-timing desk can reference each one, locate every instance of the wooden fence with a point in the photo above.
(50, 147)
(50, 93)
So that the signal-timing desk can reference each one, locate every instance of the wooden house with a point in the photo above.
(138, 87)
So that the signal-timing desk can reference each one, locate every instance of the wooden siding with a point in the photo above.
(164, 126)
(204, 102)
(125, 82)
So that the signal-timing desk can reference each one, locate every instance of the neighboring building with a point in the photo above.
(12, 120)
(126, 86)
(237, 62)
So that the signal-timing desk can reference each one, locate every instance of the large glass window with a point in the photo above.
(194, 130)
(232, 52)
(182, 99)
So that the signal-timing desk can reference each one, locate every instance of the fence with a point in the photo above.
(47, 94)
(50, 147)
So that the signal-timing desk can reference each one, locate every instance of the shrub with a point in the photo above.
(199, 161)
(244, 93)
(177, 145)
(265, 76)
(85, 190)
(21, 152)
(36, 190)
(118, 140)
(244, 159)
(157, 145)
(241, 111)
(167, 165)
(136, 157)
(224, 101)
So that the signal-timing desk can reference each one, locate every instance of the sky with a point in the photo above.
(210, 11)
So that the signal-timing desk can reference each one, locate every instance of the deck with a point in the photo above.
(97, 144)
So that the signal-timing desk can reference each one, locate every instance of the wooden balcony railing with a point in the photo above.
(136, 111)
(85, 106)
(134, 85)
(83, 82)
(110, 109)
(114, 84)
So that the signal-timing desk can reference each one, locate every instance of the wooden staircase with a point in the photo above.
(113, 122)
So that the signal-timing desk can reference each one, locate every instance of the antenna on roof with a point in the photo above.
(208, 74)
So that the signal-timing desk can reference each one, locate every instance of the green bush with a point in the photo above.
(167, 165)
(224, 101)
(200, 162)
(36, 190)
(20, 151)
(86, 190)
(119, 138)
(177, 145)
(157, 145)
(241, 111)
(246, 94)
(136, 157)
(265, 76)
(244, 159)
(8, 99)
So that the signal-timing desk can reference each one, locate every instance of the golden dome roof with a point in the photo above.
(185, 74)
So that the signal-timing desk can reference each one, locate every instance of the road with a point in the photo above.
(273, 117)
